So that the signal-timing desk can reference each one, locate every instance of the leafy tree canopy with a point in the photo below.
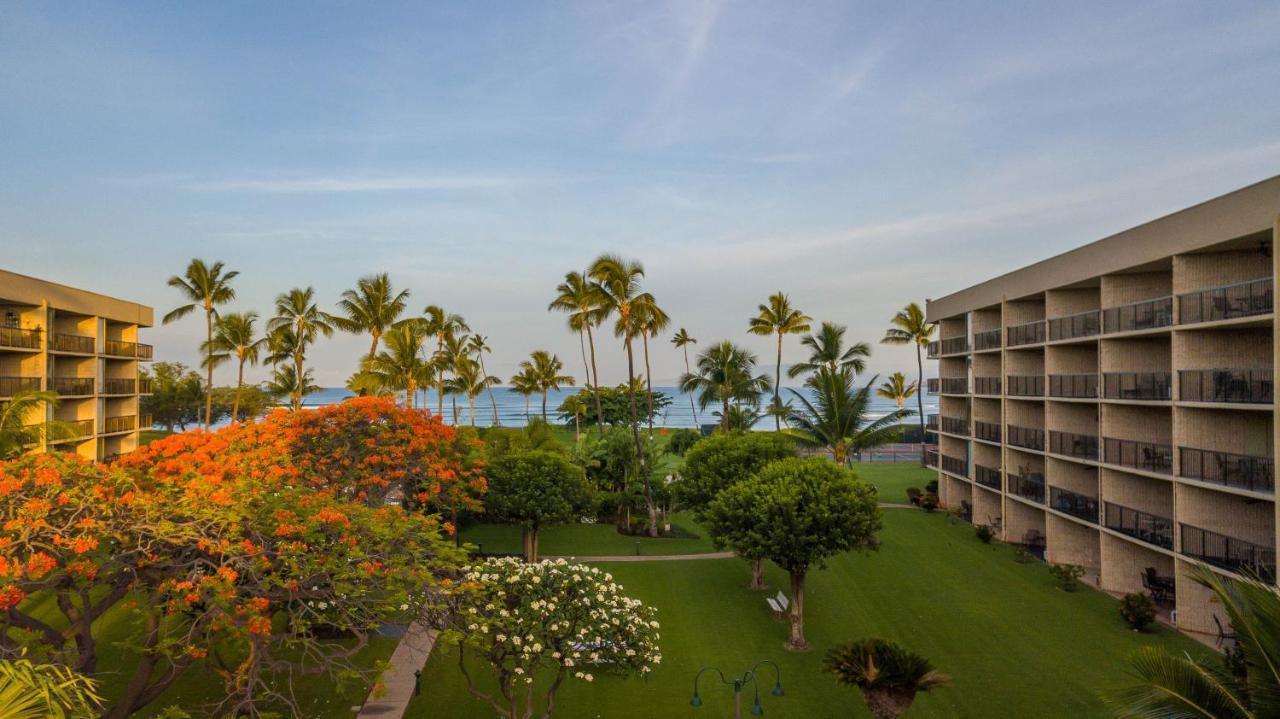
(725, 458)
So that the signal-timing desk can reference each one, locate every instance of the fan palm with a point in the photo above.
(725, 374)
(582, 298)
(682, 340)
(442, 325)
(479, 345)
(650, 320)
(909, 327)
(545, 370)
(897, 389)
(17, 433)
(234, 336)
(470, 380)
(400, 365)
(45, 691)
(205, 287)
(888, 675)
(285, 382)
(296, 311)
(373, 307)
(836, 419)
(826, 349)
(779, 318)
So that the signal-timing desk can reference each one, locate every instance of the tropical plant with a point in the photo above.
(1066, 576)
(682, 340)
(298, 324)
(837, 417)
(615, 403)
(909, 327)
(401, 365)
(525, 384)
(740, 417)
(826, 349)
(1138, 611)
(897, 389)
(469, 380)
(888, 675)
(286, 385)
(575, 405)
(45, 691)
(583, 300)
(650, 320)
(544, 369)
(235, 337)
(534, 489)
(205, 287)
(478, 345)
(373, 307)
(177, 396)
(442, 325)
(779, 318)
(17, 432)
(725, 375)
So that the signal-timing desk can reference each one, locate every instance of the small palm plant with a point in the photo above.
(726, 374)
(17, 433)
(897, 388)
(40, 691)
(838, 416)
(888, 675)
(235, 337)
(682, 340)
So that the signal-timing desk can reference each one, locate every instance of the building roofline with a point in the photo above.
(25, 288)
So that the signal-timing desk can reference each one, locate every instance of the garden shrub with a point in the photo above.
(984, 533)
(1138, 611)
(1067, 576)
(929, 502)
(914, 494)
(931, 487)
(681, 440)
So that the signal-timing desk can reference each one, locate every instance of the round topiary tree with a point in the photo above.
(888, 675)
(534, 489)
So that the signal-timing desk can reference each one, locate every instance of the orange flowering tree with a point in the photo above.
(247, 552)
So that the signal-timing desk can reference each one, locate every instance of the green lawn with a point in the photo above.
(591, 540)
(893, 479)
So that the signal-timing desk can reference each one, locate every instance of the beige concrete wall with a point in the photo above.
(952, 406)
(1204, 271)
(986, 507)
(1237, 432)
(1240, 348)
(1138, 423)
(986, 365)
(956, 491)
(70, 410)
(1129, 288)
(1017, 461)
(953, 327)
(1073, 543)
(1073, 476)
(1017, 312)
(1197, 605)
(1020, 518)
(953, 367)
(1227, 514)
(1137, 492)
(1124, 562)
(986, 455)
(1136, 354)
(1074, 417)
(1025, 414)
(64, 366)
(1060, 303)
(1071, 359)
(985, 320)
(1024, 362)
(953, 447)
(986, 410)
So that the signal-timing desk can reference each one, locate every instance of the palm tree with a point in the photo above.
(888, 675)
(526, 384)
(478, 345)
(619, 283)
(234, 337)
(780, 318)
(837, 419)
(284, 383)
(442, 325)
(373, 307)
(545, 370)
(650, 320)
(583, 299)
(741, 417)
(206, 287)
(470, 380)
(39, 691)
(910, 327)
(725, 375)
(297, 312)
(401, 365)
(17, 434)
(682, 340)
(826, 349)
(453, 353)
(575, 405)
(897, 389)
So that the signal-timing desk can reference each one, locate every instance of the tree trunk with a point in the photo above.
(757, 574)
(453, 399)
(582, 345)
(440, 380)
(235, 403)
(577, 433)
(208, 386)
(595, 377)
(489, 388)
(692, 406)
(544, 405)
(648, 378)
(888, 703)
(797, 642)
(471, 401)
(373, 349)
(920, 403)
(777, 387)
(724, 415)
(635, 435)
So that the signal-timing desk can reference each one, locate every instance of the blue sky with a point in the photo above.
(857, 156)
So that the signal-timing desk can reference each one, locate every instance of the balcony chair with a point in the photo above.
(1161, 588)
(1223, 635)
(966, 510)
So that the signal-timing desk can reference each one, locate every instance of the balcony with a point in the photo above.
(955, 465)
(1145, 386)
(1073, 386)
(10, 386)
(988, 386)
(932, 385)
(19, 338)
(931, 458)
(1149, 528)
(73, 386)
(989, 340)
(145, 386)
(1077, 505)
(112, 425)
(931, 349)
(1240, 471)
(145, 352)
(989, 431)
(1027, 334)
(986, 476)
(119, 386)
(145, 422)
(1080, 446)
(77, 344)
(1236, 555)
(1084, 324)
(1146, 456)
(1029, 487)
(1243, 299)
(1144, 315)
(955, 385)
(955, 425)
(1235, 386)
(954, 345)
(931, 423)
(1025, 385)
(73, 430)
(120, 348)
(1025, 437)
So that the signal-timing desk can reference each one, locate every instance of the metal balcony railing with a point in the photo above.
(954, 345)
(1236, 555)
(1144, 315)
(1082, 446)
(1156, 386)
(1077, 505)
(73, 386)
(74, 343)
(1028, 487)
(955, 465)
(932, 349)
(74, 429)
(988, 340)
(1026, 437)
(931, 422)
(931, 458)
(145, 386)
(144, 421)
(10, 386)
(120, 348)
(1243, 299)
(1084, 324)
(932, 385)
(955, 425)
(119, 386)
(990, 431)
(989, 386)
(955, 385)
(986, 476)
(111, 425)
(1150, 528)
(1139, 455)
(145, 352)
(1025, 385)
(1237, 386)
(1026, 334)
(1073, 386)
(17, 337)
(1242, 471)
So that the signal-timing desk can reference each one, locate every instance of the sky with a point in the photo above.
(857, 156)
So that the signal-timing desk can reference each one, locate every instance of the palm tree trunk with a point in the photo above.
(489, 388)
(440, 380)
(582, 345)
(595, 376)
(577, 433)
(777, 385)
(544, 405)
(797, 642)
(920, 402)
(648, 378)
(298, 360)
(373, 349)
(453, 399)
(208, 386)
(471, 399)
(235, 403)
(635, 435)
(724, 415)
(410, 393)
(692, 406)
(526, 409)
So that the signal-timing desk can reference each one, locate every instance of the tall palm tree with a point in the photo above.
(234, 336)
(453, 353)
(17, 434)
(479, 345)
(619, 284)
(682, 340)
(205, 287)
(837, 417)
(726, 374)
(897, 388)
(910, 327)
(583, 299)
(401, 364)
(545, 369)
(297, 311)
(524, 383)
(650, 320)
(442, 325)
(373, 307)
(826, 349)
(779, 318)
(888, 675)
(470, 380)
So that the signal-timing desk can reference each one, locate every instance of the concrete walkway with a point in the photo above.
(650, 558)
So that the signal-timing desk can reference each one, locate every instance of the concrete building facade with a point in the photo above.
(83, 346)
(1113, 407)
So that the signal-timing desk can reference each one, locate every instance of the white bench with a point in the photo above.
(778, 604)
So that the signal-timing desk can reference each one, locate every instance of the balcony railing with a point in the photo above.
(990, 431)
(932, 385)
(73, 386)
(1237, 386)
(955, 385)
(1025, 385)
(24, 339)
(74, 429)
(1236, 555)
(119, 386)
(986, 476)
(931, 458)
(112, 425)
(74, 343)
(1144, 315)
(988, 340)
(1026, 437)
(955, 465)
(9, 386)
(1146, 456)
(1028, 487)
(1076, 386)
(987, 386)
(954, 345)
(145, 351)
(120, 348)
(1085, 324)
(144, 421)
(1073, 503)
(931, 422)
(145, 386)
(955, 425)
(931, 349)
(1082, 446)
(1242, 471)
(1243, 299)
(1150, 528)
(1137, 385)
(1027, 334)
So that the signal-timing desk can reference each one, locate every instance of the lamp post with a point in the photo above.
(738, 683)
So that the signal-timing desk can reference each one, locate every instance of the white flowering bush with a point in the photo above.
(539, 625)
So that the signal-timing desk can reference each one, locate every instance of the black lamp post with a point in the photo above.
(738, 683)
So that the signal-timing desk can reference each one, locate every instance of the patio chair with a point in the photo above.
(1223, 634)
(966, 510)
(774, 607)
(782, 600)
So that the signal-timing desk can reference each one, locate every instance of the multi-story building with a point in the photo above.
(83, 346)
(1114, 407)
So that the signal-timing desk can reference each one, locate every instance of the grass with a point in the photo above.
(893, 479)
(147, 436)
(591, 540)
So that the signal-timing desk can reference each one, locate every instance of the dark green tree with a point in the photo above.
(837, 418)
(176, 398)
(534, 489)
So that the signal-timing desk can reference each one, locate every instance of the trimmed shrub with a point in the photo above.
(984, 533)
(929, 502)
(1138, 611)
(914, 494)
(681, 440)
(931, 487)
(1067, 576)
